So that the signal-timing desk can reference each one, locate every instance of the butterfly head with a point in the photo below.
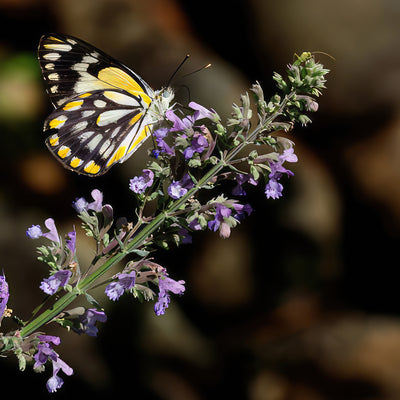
(162, 102)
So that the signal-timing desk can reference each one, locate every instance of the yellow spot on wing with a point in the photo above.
(63, 152)
(117, 156)
(92, 168)
(55, 39)
(54, 123)
(120, 79)
(135, 119)
(53, 140)
(73, 105)
(75, 162)
(143, 135)
(85, 95)
(56, 46)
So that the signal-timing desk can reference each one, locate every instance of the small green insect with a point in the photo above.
(307, 55)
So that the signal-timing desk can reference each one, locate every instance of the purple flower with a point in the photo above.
(52, 234)
(241, 209)
(188, 121)
(89, 319)
(159, 135)
(71, 241)
(186, 236)
(288, 155)
(180, 124)
(55, 382)
(221, 212)
(195, 224)
(198, 144)
(80, 205)
(53, 283)
(44, 353)
(140, 183)
(34, 232)
(155, 153)
(97, 204)
(4, 294)
(116, 289)
(277, 170)
(165, 285)
(242, 179)
(177, 189)
(202, 112)
(273, 189)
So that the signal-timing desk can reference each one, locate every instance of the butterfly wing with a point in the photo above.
(70, 67)
(93, 131)
(101, 105)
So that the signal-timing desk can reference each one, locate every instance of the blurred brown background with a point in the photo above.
(302, 302)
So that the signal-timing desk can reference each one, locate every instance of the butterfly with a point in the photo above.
(103, 110)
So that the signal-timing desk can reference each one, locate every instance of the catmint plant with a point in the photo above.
(194, 151)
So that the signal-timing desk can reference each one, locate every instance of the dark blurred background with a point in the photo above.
(302, 302)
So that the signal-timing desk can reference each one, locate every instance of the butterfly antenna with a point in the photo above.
(177, 69)
(197, 70)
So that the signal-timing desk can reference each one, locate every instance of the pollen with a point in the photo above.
(7, 312)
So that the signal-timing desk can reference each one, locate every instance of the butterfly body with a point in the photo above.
(103, 110)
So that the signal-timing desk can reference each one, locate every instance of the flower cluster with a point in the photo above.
(137, 278)
(45, 352)
(273, 189)
(82, 320)
(166, 285)
(61, 258)
(4, 295)
(194, 152)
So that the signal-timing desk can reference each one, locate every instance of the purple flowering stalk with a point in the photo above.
(4, 295)
(194, 151)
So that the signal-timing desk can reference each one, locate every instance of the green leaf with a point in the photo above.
(21, 359)
(153, 196)
(194, 162)
(253, 155)
(140, 253)
(155, 167)
(93, 301)
(220, 131)
(254, 172)
(65, 323)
